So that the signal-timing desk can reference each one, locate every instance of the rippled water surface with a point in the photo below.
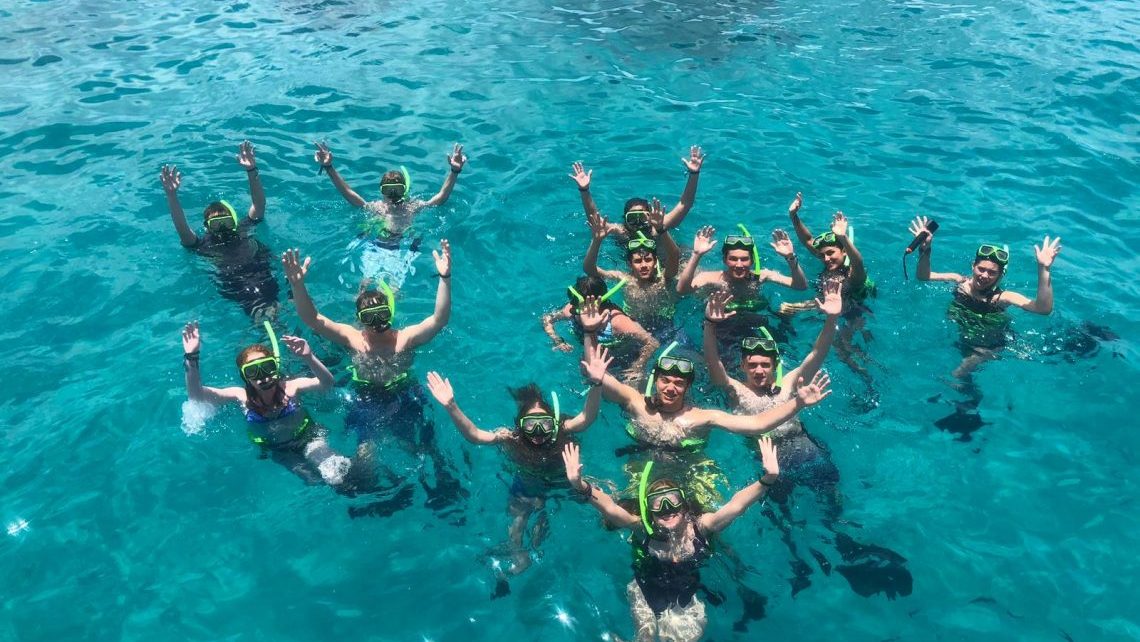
(128, 518)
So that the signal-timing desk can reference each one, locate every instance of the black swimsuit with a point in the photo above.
(666, 583)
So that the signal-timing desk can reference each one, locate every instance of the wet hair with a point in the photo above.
(214, 209)
(1001, 268)
(633, 202)
(392, 177)
(665, 484)
(528, 397)
(725, 249)
(589, 286)
(370, 297)
(256, 348)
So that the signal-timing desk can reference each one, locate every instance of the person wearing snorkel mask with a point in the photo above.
(276, 421)
(637, 211)
(386, 402)
(842, 262)
(671, 541)
(396, 209)
(631, 344)
(742, 277)
(533, 447)
(649, 297)
(802, 459)
(243, 272)
(979, 305)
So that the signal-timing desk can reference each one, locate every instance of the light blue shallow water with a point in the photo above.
(1005, 122)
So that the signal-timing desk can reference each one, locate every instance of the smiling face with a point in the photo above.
(258, 368)
(534, 419)
(760, 370)
(738, 264)
(670, 389)
(985, 275)
(643, 265)
(833, 257)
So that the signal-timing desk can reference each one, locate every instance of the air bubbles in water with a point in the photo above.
(195, 414)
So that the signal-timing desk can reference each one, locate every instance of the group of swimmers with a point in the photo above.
(672, 499)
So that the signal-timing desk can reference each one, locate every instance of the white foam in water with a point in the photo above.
(17, 526)
(195, 414)
(334, 469)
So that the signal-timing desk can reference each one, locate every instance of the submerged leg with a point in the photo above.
(644, 619)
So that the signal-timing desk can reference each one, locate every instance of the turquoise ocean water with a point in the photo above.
(129, 517)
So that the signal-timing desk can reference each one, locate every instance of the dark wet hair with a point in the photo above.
(528, 397)
(391, 177)
(725, 249)
(589, 286)
(214, 209)
(370, 297)
(633, 202)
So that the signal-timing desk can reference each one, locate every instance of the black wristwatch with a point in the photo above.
(768, 480)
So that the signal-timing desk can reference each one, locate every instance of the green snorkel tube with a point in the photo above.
(653, 372)
(407, 181)
(642, 501)
(755, 251)
(391, 296)
(272, 337)
(557, 415)
(573, 291)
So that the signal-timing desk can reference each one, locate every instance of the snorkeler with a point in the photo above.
(385, 252)
(979, 305)
(842, 262)
(670, 543)
(633, 346)
(242, 262)
(277, 422)
(635, 214)
(803, 460)
(533, 446)
(742, 277)
(387, 401)
(648, 297)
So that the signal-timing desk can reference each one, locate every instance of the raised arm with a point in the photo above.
(755, 425)
(324, 158)
(714, 314)
(831, 305)
(747, 496)
(858, 273)
(702, 243)
(246, 159)
(425, 330)
(693, 164)
(593, 368)
(783, 246)
(323, 380)
(918, 226)
(455, 160)
(668, 254)
(191, 351)
(445, 396)
(598, 498)
(582, 179)
(171, 180)
(802, 231)
(295, 271)
(599, 230)
(592, 320)
(1043, 302)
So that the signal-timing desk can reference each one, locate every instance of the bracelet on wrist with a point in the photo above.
(712, 321)
(443, 276)
(455, 171)
(586, 492)
(250, 170)
(191, 355)
(768, 480)
(595, 384)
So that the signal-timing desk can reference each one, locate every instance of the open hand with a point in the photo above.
(295, 269)
(581, 176)
(596, 363)
(715, 308)
(456, 159)
(832, 303)
(1047, 251)
(794, 207)
(918, 226)
(598, 226)
(442, 258)
(839, 224)
(441, 389)
(656, 217)
(590, 317)
(171, 178)
(191, 341)
(704, 241)
(782, 244)
(245, 156)
(768, 456)
(814, 392)
(695, 160)
(571, 457)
